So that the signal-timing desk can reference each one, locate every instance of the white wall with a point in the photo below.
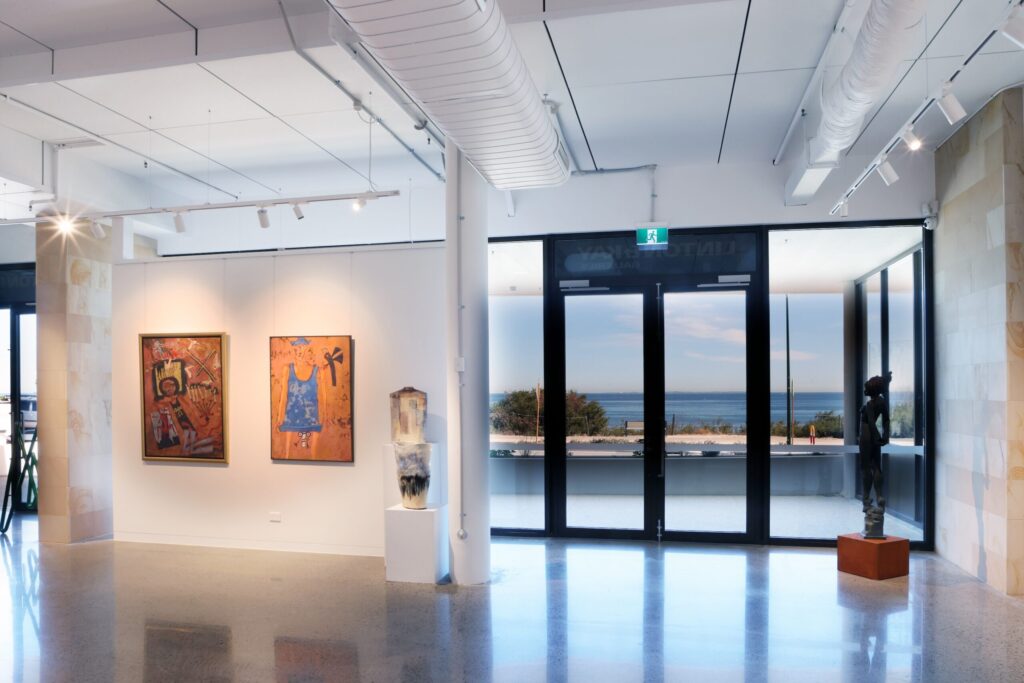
(391, 300)
(18, 244)
(708, 196)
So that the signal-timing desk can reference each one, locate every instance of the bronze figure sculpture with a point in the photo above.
(871, 442)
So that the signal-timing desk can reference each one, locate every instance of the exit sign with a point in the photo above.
(652, 237)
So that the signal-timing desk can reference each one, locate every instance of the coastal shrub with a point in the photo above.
(901, 420)
(516, 413)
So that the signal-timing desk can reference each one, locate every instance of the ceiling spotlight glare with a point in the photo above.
(888, 173)
(913, 142)
(358, 204)
(179, 223)
(297, 210)
(264, 218)
(65, 225)
(1014, 28)
(844, 210)
(950, 106)
(96, 230)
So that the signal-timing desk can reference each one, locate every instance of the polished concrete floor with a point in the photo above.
(555, 611)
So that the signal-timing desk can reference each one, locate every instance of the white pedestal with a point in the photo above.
(416, 544)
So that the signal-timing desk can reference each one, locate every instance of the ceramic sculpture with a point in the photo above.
(412, 453)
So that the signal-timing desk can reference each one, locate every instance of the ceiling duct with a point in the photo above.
(458, 61)
(877, 52)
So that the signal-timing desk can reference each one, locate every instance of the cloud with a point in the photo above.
(716, 329)
(794, 355)
(716, 359)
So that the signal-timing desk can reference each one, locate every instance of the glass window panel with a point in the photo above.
(873, 309)
(902, 353)
(5, 392)
(903, 461)
(604, 380)
(516, 320)
(706, 411)
(814, 474)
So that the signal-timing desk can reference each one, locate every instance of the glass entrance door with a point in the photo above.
(655, 412)
(705, 371)
(604, 411)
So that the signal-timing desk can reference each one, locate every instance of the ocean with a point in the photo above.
(698, 407)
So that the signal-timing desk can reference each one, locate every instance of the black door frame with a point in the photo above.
(758, 391)
(652, 287)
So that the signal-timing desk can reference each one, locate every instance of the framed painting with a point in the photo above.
(311, 398)
(183, 397)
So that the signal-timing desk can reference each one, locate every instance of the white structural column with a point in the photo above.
(468, 405)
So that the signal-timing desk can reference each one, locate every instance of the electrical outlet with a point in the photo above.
(275, 517)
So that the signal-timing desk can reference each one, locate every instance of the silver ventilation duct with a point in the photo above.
(872, 65)
(871, 68)
(458, 61)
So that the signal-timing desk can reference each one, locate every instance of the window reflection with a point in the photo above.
(516, 320)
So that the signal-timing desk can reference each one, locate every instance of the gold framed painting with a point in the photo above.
(184, 385)
(311, 399)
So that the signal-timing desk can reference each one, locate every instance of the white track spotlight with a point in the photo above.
(887, 172)
(179, 222)
(1013, 29)
(96, 230)
(844, 209)
(297, 210)
(116, 223)
(913, 142)
(358, 204)
(950, 106)
(264, 217)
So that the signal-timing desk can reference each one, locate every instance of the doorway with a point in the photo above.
(657, 370)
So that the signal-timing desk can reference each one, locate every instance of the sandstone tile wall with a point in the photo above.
(979, 317)
(73, 305)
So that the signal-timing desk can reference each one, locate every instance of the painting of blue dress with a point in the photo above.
(311, 398)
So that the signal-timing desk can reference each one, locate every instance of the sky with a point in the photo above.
(28, 353)
(705, 342)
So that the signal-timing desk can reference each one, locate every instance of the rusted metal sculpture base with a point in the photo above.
(874, 558)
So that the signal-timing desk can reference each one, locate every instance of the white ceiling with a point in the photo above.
(818, 261)
(650, 85)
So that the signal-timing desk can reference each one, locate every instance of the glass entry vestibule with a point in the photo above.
(654, 345)
(708, 390)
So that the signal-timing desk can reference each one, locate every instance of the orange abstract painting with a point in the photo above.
(183, 397)
(311, 398)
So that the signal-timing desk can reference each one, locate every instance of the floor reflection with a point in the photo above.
(555, 611)
(187, 652)
(303, 660)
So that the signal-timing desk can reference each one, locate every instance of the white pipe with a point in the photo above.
(837, 29)
(872, 65)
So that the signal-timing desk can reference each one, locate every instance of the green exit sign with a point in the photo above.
(652, 238)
